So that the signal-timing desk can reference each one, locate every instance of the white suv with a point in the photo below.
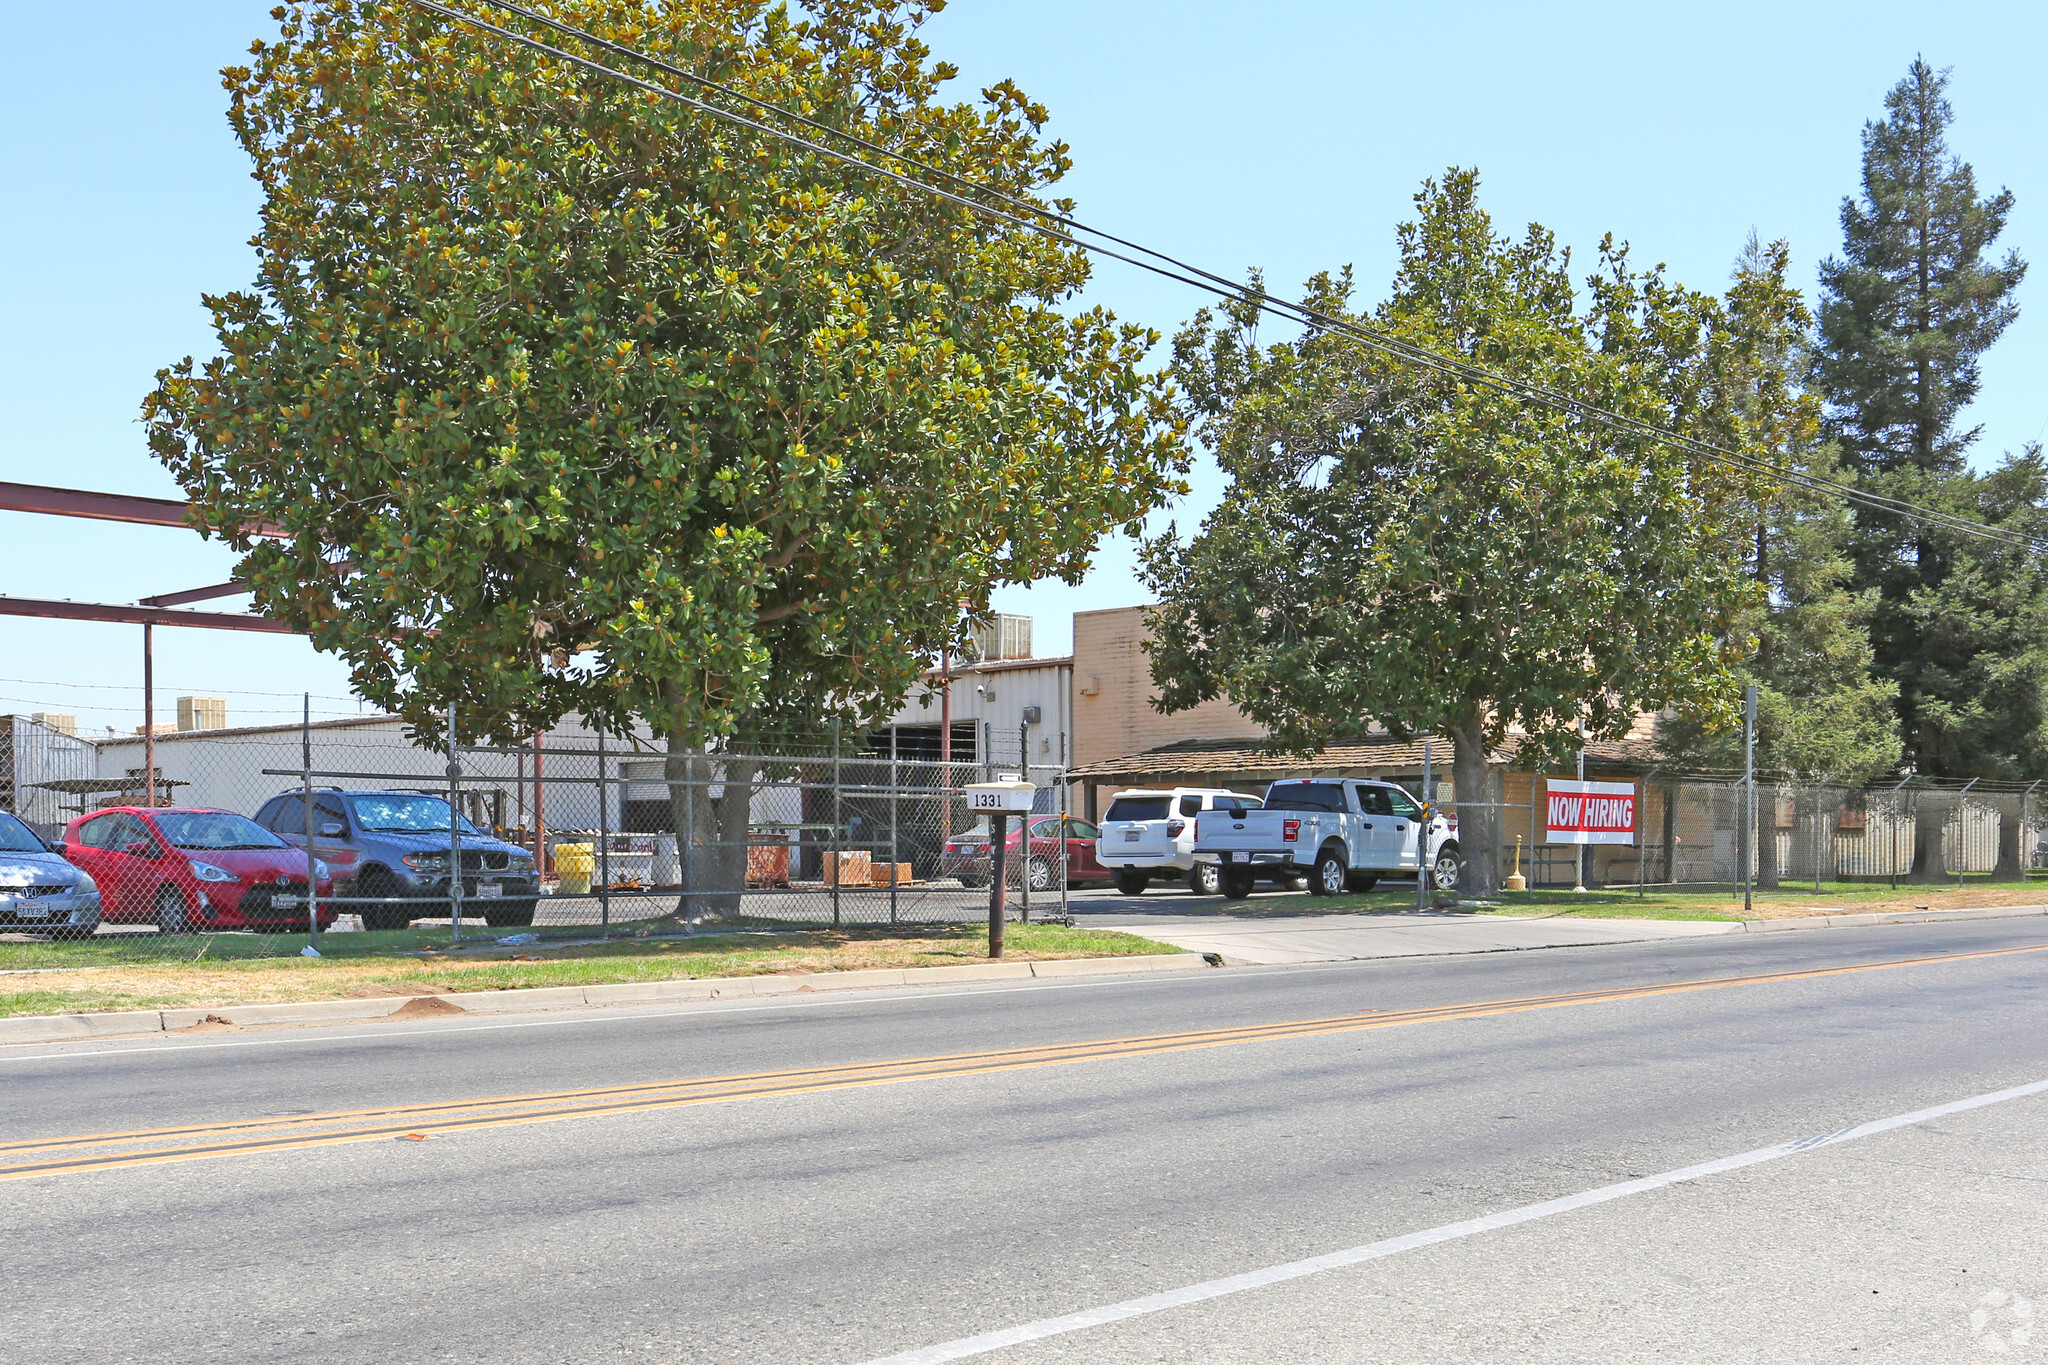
(1151, 833)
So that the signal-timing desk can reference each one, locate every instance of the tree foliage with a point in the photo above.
(1911, 304)
(1906, 313)
(1403, 548)
(571, 399)
(1821, 716)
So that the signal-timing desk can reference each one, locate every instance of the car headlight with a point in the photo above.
(207, 872)
(85, 886)
(320, 872)
(426, 862)
(520, 862)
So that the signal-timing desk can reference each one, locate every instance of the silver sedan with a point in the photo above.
(39, 890)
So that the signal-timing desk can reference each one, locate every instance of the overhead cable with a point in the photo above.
(1028, 215)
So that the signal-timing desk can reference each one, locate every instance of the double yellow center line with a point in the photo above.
(107, 1151)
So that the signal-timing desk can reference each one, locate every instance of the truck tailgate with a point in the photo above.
(1218, 831)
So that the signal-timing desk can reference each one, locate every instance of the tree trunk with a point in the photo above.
(1479, 821)
(711, 796)
(1767, 873)
(1930, 823)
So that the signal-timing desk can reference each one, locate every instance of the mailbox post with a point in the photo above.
(997, 800)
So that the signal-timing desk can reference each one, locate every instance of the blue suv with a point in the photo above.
(393, 846)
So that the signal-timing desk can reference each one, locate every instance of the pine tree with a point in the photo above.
(1911, 304)
(1906, 313)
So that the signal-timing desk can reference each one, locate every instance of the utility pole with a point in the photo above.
(1748, 798)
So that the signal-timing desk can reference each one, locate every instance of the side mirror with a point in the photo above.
(332, 830)
(54, 845)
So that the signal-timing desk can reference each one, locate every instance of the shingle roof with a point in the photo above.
(1248, 758)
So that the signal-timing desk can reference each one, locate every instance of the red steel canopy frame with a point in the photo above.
(149, 613)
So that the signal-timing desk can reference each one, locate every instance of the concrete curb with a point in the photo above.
(43, 1028)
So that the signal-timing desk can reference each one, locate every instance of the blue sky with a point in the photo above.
(1287, 136)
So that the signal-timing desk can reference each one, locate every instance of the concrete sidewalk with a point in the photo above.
(1274, 939)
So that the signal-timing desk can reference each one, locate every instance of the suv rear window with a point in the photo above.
(1306, 796)
(1139, 808)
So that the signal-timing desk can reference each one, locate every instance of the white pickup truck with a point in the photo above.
(1345, 833)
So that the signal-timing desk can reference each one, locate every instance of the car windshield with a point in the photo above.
(214, 829)
(405, 815)
(15, 837)
(1139, 808)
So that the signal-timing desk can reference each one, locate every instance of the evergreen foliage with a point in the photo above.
(1397, 547)
(1907, 311)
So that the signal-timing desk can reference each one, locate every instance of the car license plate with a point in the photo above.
(489, 891)
(286, 903)
(1130, 836)
(1240, 857)
(28, 909)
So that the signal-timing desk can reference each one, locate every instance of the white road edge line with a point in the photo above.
(1492, 1222)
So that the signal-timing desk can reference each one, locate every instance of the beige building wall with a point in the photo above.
(1113, 694)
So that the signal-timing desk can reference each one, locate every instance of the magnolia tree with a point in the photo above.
(571, 399)
(1402, 547)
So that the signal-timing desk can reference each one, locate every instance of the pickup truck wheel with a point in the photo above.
(1205, 879)
(1237, 885)
(1443, 873)
(1132, 883)
(1326, 878)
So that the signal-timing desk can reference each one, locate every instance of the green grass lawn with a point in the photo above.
(132, 972)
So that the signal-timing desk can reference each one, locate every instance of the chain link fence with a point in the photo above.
(573, 836)
(1700, 834)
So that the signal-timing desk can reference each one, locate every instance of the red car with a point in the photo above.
(966, 854)
(186, 869)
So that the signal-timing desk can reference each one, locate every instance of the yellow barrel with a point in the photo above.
(573, 865)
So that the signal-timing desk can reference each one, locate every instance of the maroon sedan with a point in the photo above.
(185, 869)
(966, 854)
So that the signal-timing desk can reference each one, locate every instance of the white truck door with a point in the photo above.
(1382, 842)
(1408, 828)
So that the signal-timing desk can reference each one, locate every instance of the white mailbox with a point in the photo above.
(1001, 797)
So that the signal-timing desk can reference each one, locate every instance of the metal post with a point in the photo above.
(988, 751)
(1422, 868)
(686, 841)
(1579, 863)
(1530, 890)
(1065, 816)
(1893, 816)
(1748, 799)
(999, 829)
(148, 717)
(604, 842)
(1024, 772)
(1962, 833)
(312, 829)
(455, 831)
(540, 821)
(893, 864)
(838, 872)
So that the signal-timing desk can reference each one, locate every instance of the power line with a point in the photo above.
(1063, 228)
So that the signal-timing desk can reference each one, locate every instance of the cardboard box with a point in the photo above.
(886, 872)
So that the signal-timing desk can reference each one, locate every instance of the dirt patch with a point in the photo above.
(1923, 898)
(212, 1023)
(425, 1006)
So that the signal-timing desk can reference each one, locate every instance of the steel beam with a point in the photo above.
(139, 616)
(79, 502)
(232, 588)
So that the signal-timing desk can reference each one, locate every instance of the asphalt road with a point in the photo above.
(855, 1224)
